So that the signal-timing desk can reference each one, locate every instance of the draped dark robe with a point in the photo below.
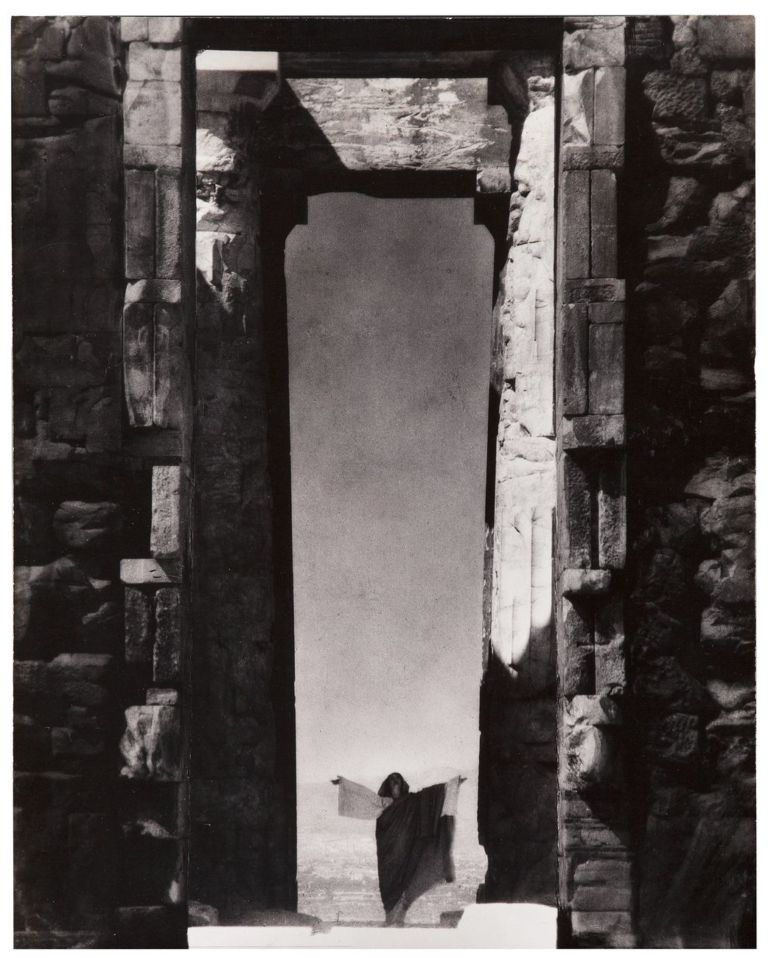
(414, 846)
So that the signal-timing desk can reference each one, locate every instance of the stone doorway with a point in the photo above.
(477, 126)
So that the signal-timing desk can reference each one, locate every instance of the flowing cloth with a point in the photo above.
(414, 837)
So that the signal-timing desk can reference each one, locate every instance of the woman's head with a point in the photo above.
(394, 786)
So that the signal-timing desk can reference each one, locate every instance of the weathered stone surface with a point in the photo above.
(165, 536)
(159, 155)
(138, 627)
(154, 291)
(89, 526)
(576, 534)
(602, 223)
(729, 521)
(165, 29)
(170, 367)
(575, 358)
(676, 99)
(162, 697)
(133, 28)
(666, 686)
(607, 928)
(585, 581)
(606, 369)
(577, 223)
(608, 290)
(578, 108)
(729, 331)
(169, 239)
(726, 37)
(610, 85)
(151, 742)
(612, 515)
(603, 871)
(138, 362)
(149, 572)
(687, 150)
(447, 125)
(593, 432)
(685, 202)
(676, 740)
(606, 312)
(592, 760)
(597, 898)
(152, 112)
(147, 62)
(140, 223)
(584, 157)
(609, 619)
(610, 666)
(599, 46)
(167, 650)
(74, 101)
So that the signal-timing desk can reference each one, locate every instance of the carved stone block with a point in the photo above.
(150, 744)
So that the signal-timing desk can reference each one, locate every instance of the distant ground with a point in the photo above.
(337, 858)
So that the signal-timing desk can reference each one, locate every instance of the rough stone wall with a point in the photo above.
(70, 502)
(95, 860)
(690, 245)
(517, 814)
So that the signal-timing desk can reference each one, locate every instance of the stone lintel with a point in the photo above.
(578, 157)
(149, 571)
(585, 581)
(595, 290)
(593, 432)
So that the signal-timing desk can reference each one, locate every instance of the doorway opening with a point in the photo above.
(389, 305)
(338, 211)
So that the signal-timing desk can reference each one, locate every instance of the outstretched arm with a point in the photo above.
(357, 801)
(451, 800)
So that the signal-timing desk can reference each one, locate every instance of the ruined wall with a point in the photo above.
(96, 859)
(690, 252)
(103, 291)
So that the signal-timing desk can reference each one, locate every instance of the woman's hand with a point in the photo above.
(462, 778)
(335, 781)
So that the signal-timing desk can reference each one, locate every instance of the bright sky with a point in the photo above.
(389, 305)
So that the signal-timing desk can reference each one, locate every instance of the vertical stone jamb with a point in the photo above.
(595, 896)
(243, 852)
(517, 752)
(156, 341)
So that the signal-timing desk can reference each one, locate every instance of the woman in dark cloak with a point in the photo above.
(414, 836)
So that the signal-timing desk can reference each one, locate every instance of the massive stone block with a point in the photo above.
(151, 743)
